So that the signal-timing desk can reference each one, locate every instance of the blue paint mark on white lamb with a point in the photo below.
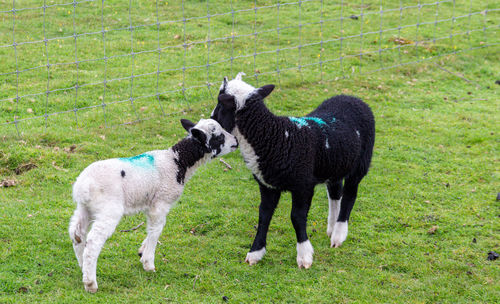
(144, 160)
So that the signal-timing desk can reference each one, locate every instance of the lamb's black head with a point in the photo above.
(234, 95)
(211, 135)
(225, 111)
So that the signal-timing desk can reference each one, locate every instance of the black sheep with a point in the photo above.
(332, 145)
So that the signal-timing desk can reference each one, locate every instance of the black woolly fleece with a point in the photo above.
(311, 153)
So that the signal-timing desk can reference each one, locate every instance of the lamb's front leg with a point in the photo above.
(301, 201)
(156, 222)
(269, 201)
(103, 227)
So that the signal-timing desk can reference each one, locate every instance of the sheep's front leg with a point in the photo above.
(269, 201)
(156, 222)
(102, 229)
(301, 201)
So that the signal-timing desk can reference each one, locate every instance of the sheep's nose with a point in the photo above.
(236, 145)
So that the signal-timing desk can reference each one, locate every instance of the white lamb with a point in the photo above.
(151, 182)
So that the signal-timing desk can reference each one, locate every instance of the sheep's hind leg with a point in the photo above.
(78, 229)
(340, 229)
(301, 201)
(334, 192)
(269, 201)
(156, 222)
(102, 228)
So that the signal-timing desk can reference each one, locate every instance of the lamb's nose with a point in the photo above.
(235, 146)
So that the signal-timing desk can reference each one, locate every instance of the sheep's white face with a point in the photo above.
(233, 96)
(237, 88)
(217, 140)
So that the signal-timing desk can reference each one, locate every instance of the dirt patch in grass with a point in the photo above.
(25, 168)
(8, 183)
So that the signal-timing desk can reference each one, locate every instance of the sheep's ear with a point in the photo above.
(224, 82)
(227, 100)
(265, 90)
(199, 135)
(238, 76)
(187, 124)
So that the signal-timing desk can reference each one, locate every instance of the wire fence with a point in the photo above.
(108, 63)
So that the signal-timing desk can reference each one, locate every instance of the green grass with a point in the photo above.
(435, 164)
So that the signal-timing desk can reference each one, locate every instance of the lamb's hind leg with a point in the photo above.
(156, 222)
(339, 233)
(78, 229)
(334, 192)
(103, 227)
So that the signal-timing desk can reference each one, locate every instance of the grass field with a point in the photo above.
(426, 215)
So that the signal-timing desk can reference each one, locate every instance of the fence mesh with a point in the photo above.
(107, 63)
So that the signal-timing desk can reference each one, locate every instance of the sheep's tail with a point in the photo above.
(81, 189)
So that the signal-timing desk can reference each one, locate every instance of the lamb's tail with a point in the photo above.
(81, 189)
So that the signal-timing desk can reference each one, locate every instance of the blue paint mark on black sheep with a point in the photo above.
(303, 121)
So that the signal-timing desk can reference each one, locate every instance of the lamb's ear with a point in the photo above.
(238, 76)
(227, 100)
(199, 135)
(187, 124)
(265, 90)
